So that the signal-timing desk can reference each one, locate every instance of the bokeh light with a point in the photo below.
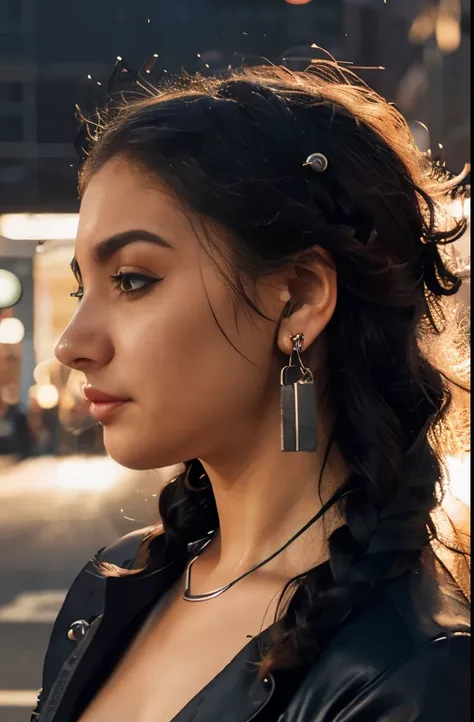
(448, 32)
(47, 396)
(10, 289)
(39, 226)
(94, 474)
(41, 373)
(12, 331)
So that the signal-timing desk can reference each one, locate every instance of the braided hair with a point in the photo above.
(232, 149)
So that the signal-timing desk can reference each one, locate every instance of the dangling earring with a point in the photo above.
(298, 404)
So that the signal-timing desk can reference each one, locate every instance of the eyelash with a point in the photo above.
(118, 279)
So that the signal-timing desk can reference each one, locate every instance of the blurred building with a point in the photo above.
(424, 48)
(53, 54)
(17, 357)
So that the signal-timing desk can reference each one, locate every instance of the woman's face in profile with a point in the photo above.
(144, 331)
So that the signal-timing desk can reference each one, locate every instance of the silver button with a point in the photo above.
(77, 630)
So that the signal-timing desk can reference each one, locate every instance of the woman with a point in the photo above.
(259, 272)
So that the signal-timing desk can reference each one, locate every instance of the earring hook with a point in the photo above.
(298, 341)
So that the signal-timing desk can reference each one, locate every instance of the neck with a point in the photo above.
(264, 496)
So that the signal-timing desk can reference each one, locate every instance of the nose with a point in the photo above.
(85, 344)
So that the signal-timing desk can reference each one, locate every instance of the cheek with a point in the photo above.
(168, 349)
(190, 386)
(176, 358)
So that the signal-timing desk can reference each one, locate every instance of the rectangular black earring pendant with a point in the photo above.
(298, 413)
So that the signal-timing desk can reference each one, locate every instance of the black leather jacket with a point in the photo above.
(403, 658)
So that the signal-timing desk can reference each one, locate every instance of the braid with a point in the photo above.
(388, 397)
(187, 509)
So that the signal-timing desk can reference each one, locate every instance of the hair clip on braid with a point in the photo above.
(317, 161)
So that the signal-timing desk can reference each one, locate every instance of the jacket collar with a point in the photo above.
(125, 598)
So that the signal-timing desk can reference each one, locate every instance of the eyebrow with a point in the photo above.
(104, 250)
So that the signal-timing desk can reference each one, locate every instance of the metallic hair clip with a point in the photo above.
(317, 161)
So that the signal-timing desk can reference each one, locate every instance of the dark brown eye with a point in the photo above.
(132, 282)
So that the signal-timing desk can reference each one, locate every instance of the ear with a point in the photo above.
(313, 294)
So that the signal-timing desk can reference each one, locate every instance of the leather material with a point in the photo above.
(84, 600)
(403, 658)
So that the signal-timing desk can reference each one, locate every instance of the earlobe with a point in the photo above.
(305, 321)
(313, 294)
(285, 344)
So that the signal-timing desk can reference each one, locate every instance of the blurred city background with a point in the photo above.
(61, 498)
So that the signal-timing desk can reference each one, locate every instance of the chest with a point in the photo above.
(181, 648)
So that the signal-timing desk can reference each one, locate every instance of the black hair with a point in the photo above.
(232, 149)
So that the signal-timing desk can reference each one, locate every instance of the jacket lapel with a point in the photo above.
(235, 694)
(122, 600)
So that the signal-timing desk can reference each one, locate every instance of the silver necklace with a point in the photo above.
(189, 597)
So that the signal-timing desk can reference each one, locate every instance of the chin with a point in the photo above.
(135, 452)
(129, 456)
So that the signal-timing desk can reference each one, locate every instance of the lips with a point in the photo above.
(103, 405)
(96, 396)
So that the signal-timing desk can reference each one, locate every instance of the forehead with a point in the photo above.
(119, 197)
